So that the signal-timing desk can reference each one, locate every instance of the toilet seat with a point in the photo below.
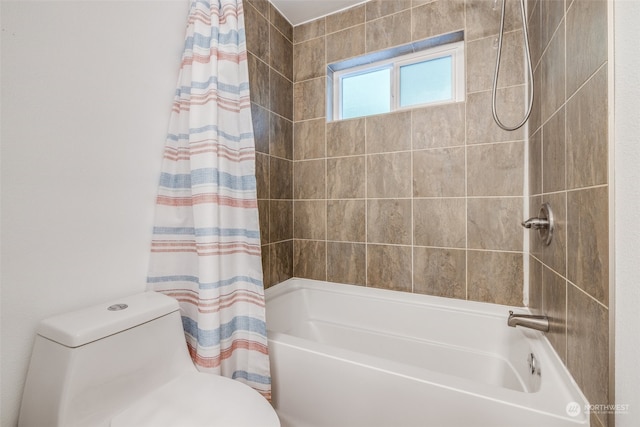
(198, 400)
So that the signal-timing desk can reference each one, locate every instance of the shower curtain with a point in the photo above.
(205, 250)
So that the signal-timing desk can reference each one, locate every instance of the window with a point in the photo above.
(431, 76)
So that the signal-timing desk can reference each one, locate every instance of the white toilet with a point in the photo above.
(126, 364)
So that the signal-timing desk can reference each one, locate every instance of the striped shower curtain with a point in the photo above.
(205, 250)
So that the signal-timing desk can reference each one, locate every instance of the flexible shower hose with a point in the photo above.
(497, 70)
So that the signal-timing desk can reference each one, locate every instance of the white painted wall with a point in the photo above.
(627, 208)
(87, 87)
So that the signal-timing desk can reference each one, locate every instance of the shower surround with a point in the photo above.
(426, 200)
(429, 200)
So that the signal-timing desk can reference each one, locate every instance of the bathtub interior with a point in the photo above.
(426, 333)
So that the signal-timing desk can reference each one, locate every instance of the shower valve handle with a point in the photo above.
(544, 223)
(536, 223)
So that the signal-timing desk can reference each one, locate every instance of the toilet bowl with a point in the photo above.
(126, 364)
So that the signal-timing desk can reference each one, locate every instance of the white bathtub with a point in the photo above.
(350, 356)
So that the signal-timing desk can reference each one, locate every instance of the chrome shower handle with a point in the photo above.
(544, 223)
(536, 223)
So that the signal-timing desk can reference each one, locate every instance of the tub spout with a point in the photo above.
(539, 323)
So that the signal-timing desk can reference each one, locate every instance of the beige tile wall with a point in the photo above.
(427, 200)
(569, 280)
(270, 46)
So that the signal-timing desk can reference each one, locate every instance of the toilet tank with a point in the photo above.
(88, 365)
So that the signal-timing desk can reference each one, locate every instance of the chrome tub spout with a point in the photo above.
(539, 323)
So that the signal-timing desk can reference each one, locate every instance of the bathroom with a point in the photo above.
(79, 172)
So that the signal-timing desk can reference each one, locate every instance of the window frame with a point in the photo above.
(455, 50)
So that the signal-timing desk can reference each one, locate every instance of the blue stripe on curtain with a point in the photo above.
(206, 177)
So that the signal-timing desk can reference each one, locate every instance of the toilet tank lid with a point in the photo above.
(89, 324)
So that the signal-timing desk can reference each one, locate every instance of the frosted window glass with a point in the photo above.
(428, 81)
(367, 93)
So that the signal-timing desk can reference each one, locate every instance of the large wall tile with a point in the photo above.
(535, 118)
(439, 172)
(552, 12)
(481, 60)
(587, 134)
(262, 176)
(480, 125)
(309, 30)
(389, 175)
(389, 132)
(495, 277)
(346, 220)
(588, 241)
(588, 345)
(258, 81)
(438, 17)
(280, 220)
(535, 164)
(280, 178)
(346, 44)
(438, 126)
(495, 169)
(535, 285)
(346, 177)
(263, 218)
(309, 259)
(310, 219)
(389, 221)
(281, 53)
(281, 265)
(554, 296)
(309, 139)
(257, 31)
(281, 137)
(309, 99)
(309, 179)
(261, 124)
(553, 153)
(389, 267)
(552, 73)
(586, 41)
(392, 30)
(347, 263)
(378, 8)
(346, 137)
(261, 6)
(494, 223)
(439, 222)
(280, 95)
(482, 20)
(309, 60)
(535, 32)
(347, 18)
(440, 272)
